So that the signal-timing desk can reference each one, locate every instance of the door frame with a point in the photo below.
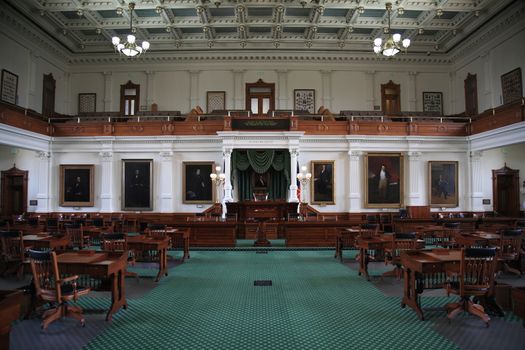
(515, 200)
(259, 84)
(13, 172)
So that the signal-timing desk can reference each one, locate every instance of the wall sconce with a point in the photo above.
(217, 178)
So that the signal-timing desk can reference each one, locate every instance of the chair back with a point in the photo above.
(510, 244)
(114, 242)
(75, 233)
(46, 276)
(403, 241)
(98, 222)
(476, 271)
(368, 230)
(156, 230)
(51, 224)
(12, 246)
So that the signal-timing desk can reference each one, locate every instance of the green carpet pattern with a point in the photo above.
(315, 302)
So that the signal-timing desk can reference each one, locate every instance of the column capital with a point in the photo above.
(414, 156)
(227, 152)
(282, 71)
(43, 155)
(412, 73)
(107, 73)
(476, 155)
(165, 155)
(294, 152)
(106, 156)
(354, 155)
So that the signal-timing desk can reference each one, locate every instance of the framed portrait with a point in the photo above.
(9, 87)
(511, 86)
(443, 184)
(433, 102)
(304, 100)
(215, 101)
(383, 180)
(323, 185)
(197, 185)
(137, 184)
(76, 185)
(87, 103)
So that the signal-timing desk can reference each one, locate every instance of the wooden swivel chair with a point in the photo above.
(368, 230)
(52, 225)
(77, 236)
(12, 252)
(475, 279)
(510, 250)
(400, 242)
(118, 242)
(52, 289)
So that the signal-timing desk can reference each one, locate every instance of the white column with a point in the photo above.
(326, 99)
(412, 96)
(150, 89)
(108, 80)
(227, 158)
(67, 96)
(282, 78)
(238, 89)
(43, 195)
(107, 185)
(452, 96)
(293, 176)
(487, 83)
(476, 184)
(194, 88)
(414, 174)
(369, 87)
(166, 182)
(354, 180)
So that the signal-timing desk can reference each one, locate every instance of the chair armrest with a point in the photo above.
(68, 279)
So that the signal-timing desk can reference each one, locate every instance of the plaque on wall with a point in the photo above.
(433, 102)
(511, 86)
(304, 100)
(9, 87)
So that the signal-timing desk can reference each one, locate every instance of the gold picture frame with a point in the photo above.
(443, 184)
(77, 185)
(384, 180)
(323, 185)
(197, 187)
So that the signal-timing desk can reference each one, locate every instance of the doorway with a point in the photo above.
(14, 192)
(260, 98)
(505, 191)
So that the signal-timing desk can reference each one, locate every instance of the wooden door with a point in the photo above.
(471, 95)
(260, 98)
(14, 192)
(48, 95)
(391, 98)
(129, 98)
(505, 191)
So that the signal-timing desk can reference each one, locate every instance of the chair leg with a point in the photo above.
(477, 310)
(76, 313)
(51, 316)
(512, 270)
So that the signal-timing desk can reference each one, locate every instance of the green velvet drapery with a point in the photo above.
(274, 162)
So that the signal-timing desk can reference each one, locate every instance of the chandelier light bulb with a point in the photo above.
(131, 39)
(303, 168)
(145, 45)
(406, 43)
(115, 40)
(299, 176)
(397, 37)
(390, 44)
(377, 49)
(378, 41)
(129, 46)
(213, 176)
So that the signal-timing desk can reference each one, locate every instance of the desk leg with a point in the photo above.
(163, 264)
(410, 296)
(186, 249)
(338, 249)
(363, 263)
(118, 294)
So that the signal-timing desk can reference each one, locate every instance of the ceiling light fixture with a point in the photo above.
(392, 44)
(130, 47)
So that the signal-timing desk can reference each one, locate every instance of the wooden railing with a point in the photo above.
(163, 123)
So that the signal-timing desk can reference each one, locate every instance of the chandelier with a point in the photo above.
(392, 44)
(130, 47)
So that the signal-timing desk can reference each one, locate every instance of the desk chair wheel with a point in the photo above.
(83, 323)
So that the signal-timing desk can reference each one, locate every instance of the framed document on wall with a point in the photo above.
(9, 87)
(215, 101)
(87, 103)
(443, 184)
(304, 100)
(433, 102)
(383, 180)
(137, 184)
(511, 86)
(76, 185)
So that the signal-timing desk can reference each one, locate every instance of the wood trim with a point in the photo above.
(13, 172)
(123, 87)
(471, 95)
(259, 84)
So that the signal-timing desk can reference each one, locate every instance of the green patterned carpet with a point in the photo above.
(315, 302)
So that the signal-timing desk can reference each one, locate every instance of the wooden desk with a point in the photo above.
(344, 235)
(46, 241)
(10, 301)
(313, 233)
(477, 239)
(102, 265)
(144, 243)
(178, 235)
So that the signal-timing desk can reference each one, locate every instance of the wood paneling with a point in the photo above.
(313, 233)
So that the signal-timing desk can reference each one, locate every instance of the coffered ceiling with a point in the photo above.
(86, 26)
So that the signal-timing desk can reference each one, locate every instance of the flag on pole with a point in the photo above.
(298, 186)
